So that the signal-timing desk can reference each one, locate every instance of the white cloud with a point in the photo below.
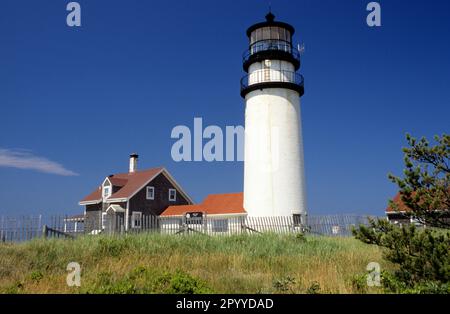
(24, 159)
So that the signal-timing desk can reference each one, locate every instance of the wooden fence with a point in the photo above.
(22, 228)
(336, 225)
(48, 232)
(27, 228)
(223, 225)
(329, 225)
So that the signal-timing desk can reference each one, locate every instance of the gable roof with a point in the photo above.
(134, 182)
(130, 184)
(117, 181)
(213, 204)
(116, 208)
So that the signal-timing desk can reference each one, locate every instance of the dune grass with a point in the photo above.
(154, 263)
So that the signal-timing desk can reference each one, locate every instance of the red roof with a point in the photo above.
(177, 210)
(213, 204)
(117, 181)
(129, 183)
(96, 195)
(401, 206)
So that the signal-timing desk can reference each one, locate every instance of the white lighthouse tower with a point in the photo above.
(274, 181)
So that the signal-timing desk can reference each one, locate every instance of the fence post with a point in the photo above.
(39, 223)
(205, 224)
(2, 230)
(44, 231)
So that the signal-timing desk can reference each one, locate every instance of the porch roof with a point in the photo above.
(116, 208)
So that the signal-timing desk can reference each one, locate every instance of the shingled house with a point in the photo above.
(127, 196)
(398, 214)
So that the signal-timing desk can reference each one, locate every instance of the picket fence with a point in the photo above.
(18, 229)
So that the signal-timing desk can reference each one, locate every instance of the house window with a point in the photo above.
(104, 219)
(220, 225)
(106, 191)
(150, 192)
(136, 218)
(172, 195)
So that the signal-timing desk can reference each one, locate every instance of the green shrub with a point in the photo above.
(314, 288)
(300, 237)
(422, 256)
(359, 283)
(143, 280)
(284, 284)
(392, 284)
(36, 276)
(183, 283)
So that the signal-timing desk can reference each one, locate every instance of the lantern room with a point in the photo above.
(270, 60)
(270, 40)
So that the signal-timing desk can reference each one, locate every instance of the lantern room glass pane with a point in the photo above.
(287, 35)
(283, 34)
(270, 33)
(258, 34)
(266, 33)
(274, 34)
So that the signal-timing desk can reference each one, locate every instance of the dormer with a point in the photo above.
(107, 188)
(111, 185)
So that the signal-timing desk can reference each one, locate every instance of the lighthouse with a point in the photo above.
(274, 180)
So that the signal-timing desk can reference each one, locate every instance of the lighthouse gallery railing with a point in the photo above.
(271, 75)
(270, 45)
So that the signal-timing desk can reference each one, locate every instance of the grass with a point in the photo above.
(154, 263)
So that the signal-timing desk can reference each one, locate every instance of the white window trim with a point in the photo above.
(174, 199)
(152, 189)
(134, 216)
(110, 186)
(109, 193)
(104, 215)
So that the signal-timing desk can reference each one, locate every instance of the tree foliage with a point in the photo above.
(425, 187)
(422, 255)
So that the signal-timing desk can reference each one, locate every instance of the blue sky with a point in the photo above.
(79, 100)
